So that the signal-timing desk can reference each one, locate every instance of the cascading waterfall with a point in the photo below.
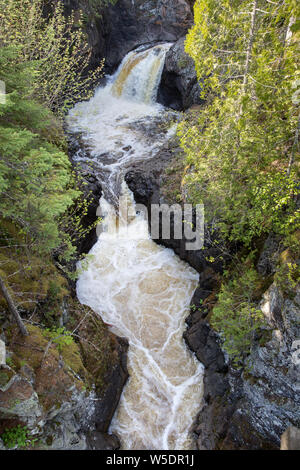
(141, 289)
(111, 123)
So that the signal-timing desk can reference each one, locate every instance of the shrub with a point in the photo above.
(59, 336)
(17, 437)
(236, 316)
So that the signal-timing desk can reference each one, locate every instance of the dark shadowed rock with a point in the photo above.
(203, 341)
(130, 24)
(100, 441)
(179, 88)
(116, 379)
(268, 258)
(105, 357)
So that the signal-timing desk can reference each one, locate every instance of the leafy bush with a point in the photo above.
(42, 68)
(242, 146)
(236, 315)
(17, 437)
(59, 336)
(54, 46)
(287, 277)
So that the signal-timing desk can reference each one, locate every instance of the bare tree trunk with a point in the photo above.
(295, 148)
(245, 78)
(250, 45)
(12, 308)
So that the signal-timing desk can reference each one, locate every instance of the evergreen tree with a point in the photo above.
(243, 143)
(41, 63)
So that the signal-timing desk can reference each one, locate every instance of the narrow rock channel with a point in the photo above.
(141, 289)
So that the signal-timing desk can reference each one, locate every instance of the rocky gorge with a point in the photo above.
(248, 407)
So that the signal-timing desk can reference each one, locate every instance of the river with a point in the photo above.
(141, 289)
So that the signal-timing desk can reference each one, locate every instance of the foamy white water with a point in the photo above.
(112, 122)
(143, 290)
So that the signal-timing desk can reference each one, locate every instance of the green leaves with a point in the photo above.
(17, 437)
(236, 316)
(37, 187)
(59, 336)
(53, 49)
(34, 184)
(242, 146)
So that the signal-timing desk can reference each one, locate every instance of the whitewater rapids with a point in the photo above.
(143, 290)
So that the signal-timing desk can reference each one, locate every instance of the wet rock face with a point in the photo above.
(116, 379)
(130, 24)
(116, 30)
(179, 88)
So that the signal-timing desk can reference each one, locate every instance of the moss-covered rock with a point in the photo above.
(104, 357)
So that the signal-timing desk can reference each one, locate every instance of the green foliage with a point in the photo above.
(17, 437)
(236, 315)
(242, 146)
(9, 361)
(55, 48)
(36, 182)
(287, 277)
(42, 68)
(59, 336)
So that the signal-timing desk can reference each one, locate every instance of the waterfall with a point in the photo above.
(111, 122)
(143, 290)
(139, 75)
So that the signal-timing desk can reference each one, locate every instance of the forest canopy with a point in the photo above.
(242, 145)
(242, 149)
(44, 63)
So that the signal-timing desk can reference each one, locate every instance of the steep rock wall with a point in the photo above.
(249, 408)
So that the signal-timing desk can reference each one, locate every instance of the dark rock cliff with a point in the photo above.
(130, 24)
(241, 409)
(116, 30)
(248, 408)
(179, 87)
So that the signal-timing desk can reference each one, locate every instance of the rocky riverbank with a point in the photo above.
(61, 391)
(248, 407)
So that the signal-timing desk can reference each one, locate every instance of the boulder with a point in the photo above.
(179, 88)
